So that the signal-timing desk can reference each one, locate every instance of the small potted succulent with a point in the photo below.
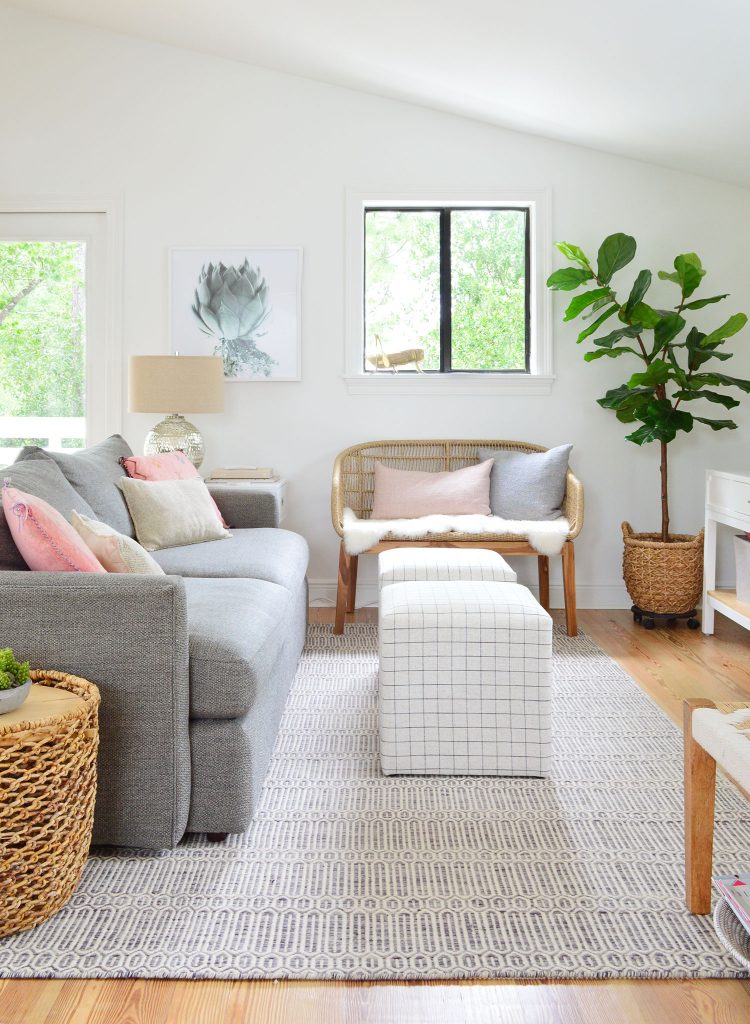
(15, 681)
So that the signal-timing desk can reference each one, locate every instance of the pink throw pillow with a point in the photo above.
(165, 466)
(406, 494)
(47, 542)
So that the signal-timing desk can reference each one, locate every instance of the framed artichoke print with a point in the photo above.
(242, 304)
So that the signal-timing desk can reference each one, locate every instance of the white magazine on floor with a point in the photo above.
(736, 891)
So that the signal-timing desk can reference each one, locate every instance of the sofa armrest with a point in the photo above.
(243, 508)
(128, 634)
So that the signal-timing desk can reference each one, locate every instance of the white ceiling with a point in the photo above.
(663, 80)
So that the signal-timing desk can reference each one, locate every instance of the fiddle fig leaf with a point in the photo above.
(616, 397)
(657, 372)
(608, 340)
(717, 424)
(589, 357)
(667, 275)
(615, 252)
(581, 302)
(710, 396)
(598, 305)
(661, 423)
(733, 326)
(721, 379)
(689, 272)
(642, 314)
(700, 303)
(666, 329)
(592, 328)
(568, 278)
(573, 253)
(640, 287)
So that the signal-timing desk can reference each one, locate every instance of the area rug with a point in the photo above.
(347, 874)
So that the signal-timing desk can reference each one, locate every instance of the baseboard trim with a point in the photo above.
(588, 595)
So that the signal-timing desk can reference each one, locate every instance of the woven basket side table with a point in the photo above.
(47, 790)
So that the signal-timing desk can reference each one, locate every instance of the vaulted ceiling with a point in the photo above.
(666, 81)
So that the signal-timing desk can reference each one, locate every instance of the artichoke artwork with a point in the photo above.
(231, 305)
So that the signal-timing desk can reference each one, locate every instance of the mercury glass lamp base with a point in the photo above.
(175, 432)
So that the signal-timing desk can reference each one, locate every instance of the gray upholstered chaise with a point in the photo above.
(193, 667)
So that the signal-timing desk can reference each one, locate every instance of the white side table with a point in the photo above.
(728, 504)
(275, 487)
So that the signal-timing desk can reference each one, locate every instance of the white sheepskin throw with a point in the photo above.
(546, 536)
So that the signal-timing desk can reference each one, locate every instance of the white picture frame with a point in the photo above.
(250, 312)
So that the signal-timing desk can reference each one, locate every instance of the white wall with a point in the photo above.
(204, 150)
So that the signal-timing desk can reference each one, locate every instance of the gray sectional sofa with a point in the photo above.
(194, 667)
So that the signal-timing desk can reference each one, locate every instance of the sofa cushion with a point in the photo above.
(236, 629)
(276, 556)
(95, 472)
(43, 479)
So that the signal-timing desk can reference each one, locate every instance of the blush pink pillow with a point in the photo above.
(47, 543)
(165, 466)
(407, 494)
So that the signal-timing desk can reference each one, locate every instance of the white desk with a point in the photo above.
(728, 504)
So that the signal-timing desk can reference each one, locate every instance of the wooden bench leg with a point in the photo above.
(700, 794)
(543, 561)
(569, 587)
(351, 597)
(342, 590)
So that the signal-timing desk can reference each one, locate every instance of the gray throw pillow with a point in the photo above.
(95, 473)
(527, 485)
(43, 479)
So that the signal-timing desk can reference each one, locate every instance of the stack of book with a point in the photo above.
(736, 891)
(243, 473)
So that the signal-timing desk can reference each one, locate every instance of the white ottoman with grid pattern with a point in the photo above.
(465, 679)
(402, 565)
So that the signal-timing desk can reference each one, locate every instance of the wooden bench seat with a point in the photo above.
(353, 486)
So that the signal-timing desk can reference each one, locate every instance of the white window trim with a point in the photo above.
(108, 367)
(540, 378)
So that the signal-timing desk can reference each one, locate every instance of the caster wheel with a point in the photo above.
(637, 616)
(693, 623)
(648, 623)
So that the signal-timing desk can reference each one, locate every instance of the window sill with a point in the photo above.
(414, 384)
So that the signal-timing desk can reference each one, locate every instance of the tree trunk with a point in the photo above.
(15, 299)
(664, 495)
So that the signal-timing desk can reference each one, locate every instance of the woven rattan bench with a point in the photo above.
(353, 483)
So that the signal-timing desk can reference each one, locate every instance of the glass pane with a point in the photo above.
(42, 345)
(402, 286)
(488, 259)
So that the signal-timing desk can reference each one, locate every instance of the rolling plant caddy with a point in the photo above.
(663, 571)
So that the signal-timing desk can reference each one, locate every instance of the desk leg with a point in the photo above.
(709, 573)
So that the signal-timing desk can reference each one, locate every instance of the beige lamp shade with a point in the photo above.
(176, 384)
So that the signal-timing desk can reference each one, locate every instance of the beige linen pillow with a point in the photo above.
(115, 551)
(169, 513)
(408, 494)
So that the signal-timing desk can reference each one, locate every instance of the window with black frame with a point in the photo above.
(446, 289)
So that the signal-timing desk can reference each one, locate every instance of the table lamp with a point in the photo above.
(163, 383)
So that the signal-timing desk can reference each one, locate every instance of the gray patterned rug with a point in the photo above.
(346, 874)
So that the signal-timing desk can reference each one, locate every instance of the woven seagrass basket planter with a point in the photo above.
(47, 792)
(663, 578)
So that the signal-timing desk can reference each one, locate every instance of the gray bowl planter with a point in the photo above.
(14, 698)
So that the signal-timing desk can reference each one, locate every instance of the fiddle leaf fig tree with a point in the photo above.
(661, 396)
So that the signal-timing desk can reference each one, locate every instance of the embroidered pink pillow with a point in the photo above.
(408, 494)
(47, 543)
(165, 466)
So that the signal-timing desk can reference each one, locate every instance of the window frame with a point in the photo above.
(445, 264)
(104, 375)
(537, 378)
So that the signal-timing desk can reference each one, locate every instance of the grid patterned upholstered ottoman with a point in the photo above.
(465, 679)
(401, 565)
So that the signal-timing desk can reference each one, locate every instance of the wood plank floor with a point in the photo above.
(670, 664)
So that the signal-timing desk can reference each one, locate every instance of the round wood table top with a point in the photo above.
(42, 704)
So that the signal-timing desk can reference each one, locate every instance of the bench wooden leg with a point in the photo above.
(351, 597)
(543, 561)
(700, 794)
(342, 590)
(569, 587)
